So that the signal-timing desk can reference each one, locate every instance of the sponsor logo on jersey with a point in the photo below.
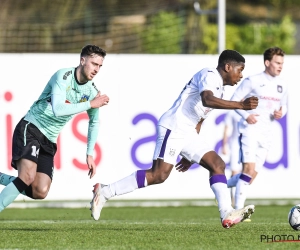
(76, 90)
(67, 74)
(279, 88)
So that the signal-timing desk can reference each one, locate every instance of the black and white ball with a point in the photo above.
(294, 217)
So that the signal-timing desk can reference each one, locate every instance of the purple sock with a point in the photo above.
(245, 178)
(217, 178)
(140, 178)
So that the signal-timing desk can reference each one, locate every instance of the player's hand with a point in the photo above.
(250, 103)
(91, 165)
(99, 101)
(251, 119)
(183, 165)
(278, 114)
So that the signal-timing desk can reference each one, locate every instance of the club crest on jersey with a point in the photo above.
(279, 88)
(172, 152)
(84, 98)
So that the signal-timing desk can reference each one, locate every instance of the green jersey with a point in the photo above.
(62, 98)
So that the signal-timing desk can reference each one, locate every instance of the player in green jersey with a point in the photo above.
(69, 91)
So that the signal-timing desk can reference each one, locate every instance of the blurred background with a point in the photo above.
(154, 48)
(147, 27)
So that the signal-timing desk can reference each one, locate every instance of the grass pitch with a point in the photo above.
(185, 227)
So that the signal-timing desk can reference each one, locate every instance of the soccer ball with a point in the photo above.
(294, 217)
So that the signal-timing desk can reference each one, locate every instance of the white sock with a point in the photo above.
(233, 180)
(218, 184)
(241, 190)
(123, 186)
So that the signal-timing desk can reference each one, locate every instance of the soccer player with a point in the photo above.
(176, 130)
(68, 92)
(255, 127)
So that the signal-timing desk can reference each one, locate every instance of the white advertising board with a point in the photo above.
(141, 88)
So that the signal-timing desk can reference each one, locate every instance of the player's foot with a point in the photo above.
(97, 202)
(247, 220)
(237, 215)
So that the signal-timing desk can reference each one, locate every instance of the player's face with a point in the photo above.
(91, 66)
(235, 73)
(274, 67)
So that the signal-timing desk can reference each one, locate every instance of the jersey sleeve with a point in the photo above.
(208, 82)
(92, 130)
(58, 98)
(284, 103)
(240, 93)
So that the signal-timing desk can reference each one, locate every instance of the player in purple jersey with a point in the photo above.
(255, 125)
(69, 91)
(177, 129)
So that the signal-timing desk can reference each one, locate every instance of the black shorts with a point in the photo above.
(29, 143)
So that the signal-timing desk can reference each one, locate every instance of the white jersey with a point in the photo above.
(188, 109)
(271, 93)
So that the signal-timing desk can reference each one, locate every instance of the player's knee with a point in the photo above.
(40, 193)
(160, 177)
(218, 166)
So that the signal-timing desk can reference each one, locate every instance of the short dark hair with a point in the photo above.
(270, 52)
(90, 49)
(228, 56)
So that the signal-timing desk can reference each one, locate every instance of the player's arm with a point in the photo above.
(283, 108)
(240, 93)
(183, 165)
(58, 98)
(93, 129)
(210, 101)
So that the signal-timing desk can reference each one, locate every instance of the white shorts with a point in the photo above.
(171, 144)
(253, 149)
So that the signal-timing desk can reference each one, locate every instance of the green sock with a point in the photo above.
(8, 195)
(5, 179)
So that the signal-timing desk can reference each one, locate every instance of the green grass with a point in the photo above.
(141, 228)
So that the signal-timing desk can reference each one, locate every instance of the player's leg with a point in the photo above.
(25, 149)
(40, 191)
(164, 158)
(198, 151)
(26, 175)
(250, 171)
(41, 151)
(41, 185)
(249, 146)
(5, 179)
(218, 183)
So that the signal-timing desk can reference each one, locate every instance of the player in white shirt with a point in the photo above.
(256, 135)
(176, 129)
